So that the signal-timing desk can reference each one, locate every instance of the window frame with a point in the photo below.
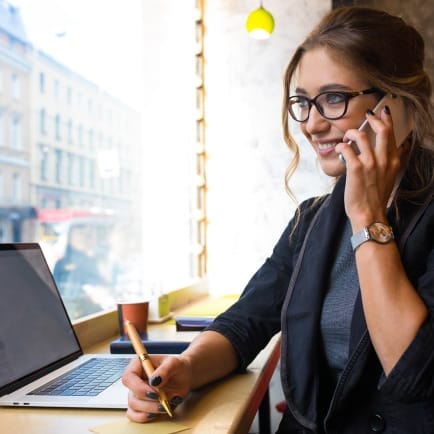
(96, 328)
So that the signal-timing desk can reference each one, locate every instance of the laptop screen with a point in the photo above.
(35, 330)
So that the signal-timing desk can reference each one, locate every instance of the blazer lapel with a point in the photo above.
(302, 309)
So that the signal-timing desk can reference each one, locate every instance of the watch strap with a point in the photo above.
(360, 237)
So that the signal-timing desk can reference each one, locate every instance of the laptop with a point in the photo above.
(41, 361)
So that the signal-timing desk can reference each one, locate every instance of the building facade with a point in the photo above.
(16, 212)
(65, 143)
(85, 144)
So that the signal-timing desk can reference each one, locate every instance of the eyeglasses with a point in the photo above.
(330, 105)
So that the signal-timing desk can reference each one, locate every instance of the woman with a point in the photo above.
(350, 283)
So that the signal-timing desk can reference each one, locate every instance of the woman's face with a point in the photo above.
(319, 72)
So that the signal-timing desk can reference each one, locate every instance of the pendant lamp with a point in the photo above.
(260, 23)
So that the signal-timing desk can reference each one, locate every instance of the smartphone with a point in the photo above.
(402, 122)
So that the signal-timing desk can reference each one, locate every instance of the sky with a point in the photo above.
(99, 39)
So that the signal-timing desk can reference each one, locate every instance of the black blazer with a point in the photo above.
(286, 294)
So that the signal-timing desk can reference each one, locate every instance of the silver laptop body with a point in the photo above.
(38, 343)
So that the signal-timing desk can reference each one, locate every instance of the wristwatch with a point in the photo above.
(378, 232)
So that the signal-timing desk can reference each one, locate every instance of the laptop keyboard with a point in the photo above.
(89, 379)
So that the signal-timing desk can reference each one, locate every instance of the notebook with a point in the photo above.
(38, 344)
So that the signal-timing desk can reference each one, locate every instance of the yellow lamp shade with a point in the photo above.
(260, 24)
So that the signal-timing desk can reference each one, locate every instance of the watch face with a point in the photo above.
(380, 232)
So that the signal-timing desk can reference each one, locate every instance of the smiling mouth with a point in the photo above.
(326, 146)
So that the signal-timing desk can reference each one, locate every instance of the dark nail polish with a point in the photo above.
(151, 415)
(387, 110)
(152, 395)
(176, 400)
(370, 112)
(161, 409)
(155, 381)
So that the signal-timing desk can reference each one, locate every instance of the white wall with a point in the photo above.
(169, 140)
(248, 207)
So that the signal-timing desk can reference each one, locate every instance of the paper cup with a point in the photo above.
(135, 312)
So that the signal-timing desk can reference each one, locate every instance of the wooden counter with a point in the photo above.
(227, 406)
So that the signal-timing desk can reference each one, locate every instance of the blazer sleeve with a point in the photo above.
(255, 318)
(412, 378)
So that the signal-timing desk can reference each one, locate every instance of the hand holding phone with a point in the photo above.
(402, 122)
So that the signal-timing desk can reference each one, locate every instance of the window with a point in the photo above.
(71, 169)
(81, 171)
(43, 162)
(69, 127)
(58, 166)
(79, 100)
(16, 86)
(69, 95)
(16, 187)
(41, 82)
(80, 135)
(16, 132)
(57, 127)
(92, 174)
(42, 121)
(56, 89)
(78, 189)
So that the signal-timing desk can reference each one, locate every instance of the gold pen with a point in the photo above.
(143, 355)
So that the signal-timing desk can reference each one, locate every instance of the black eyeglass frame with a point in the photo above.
(346, 95)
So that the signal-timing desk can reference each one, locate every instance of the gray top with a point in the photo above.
(338, 305)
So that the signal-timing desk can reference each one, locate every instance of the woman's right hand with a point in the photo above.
(209, 356)
(173, 374)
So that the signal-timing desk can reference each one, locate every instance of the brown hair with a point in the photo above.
(390, 54)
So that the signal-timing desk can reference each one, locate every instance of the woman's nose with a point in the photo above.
(316, 123)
